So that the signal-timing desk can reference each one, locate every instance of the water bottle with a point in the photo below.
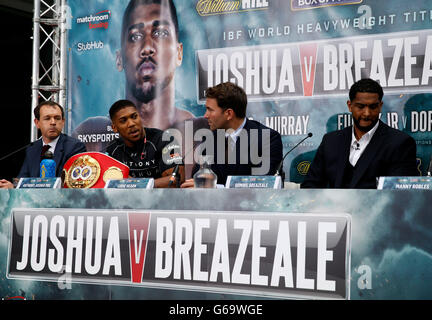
(205, 177)
(47, 167)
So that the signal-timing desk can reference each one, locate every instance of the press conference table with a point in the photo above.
(390, 234)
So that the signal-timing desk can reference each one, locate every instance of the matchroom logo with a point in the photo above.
(97, 21)
(214, 7)
(314, 4)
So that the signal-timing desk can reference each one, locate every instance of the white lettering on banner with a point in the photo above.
(421, 121)
(179, 240)
(253, 63)
(289, 125)
(399, 62)
(88, 46)
(43, 231)
(199, 250)
(281, 255)
(251, 4)
(163, 249)
(99, 137)
(220, 260)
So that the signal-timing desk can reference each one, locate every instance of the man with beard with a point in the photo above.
(355, 156)
(143, 150)
(149, 55)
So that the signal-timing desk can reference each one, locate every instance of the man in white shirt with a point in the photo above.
(355, 156)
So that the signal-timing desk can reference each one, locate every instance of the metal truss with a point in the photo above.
(50, 23)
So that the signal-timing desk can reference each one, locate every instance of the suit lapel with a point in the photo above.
(35, 154)
(247, 128)
(368, 154)
(343, 159)
(233, 169)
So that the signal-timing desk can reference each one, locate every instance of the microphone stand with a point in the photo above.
(281, 163)
(18, 150)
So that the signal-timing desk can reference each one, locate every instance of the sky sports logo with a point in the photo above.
(97, 21)
(313, 4)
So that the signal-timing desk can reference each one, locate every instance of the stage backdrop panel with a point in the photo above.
(390, 237)
(295, 59)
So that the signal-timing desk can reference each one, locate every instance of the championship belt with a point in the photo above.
(92, 170)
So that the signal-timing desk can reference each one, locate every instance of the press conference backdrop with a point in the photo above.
(279, 244)
(295, 59)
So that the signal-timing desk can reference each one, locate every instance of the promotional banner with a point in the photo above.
(192, 250)
(193, 245)
(295, 59)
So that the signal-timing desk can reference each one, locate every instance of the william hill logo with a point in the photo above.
(213, 7)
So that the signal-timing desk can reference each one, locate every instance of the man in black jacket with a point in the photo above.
(250, 147)
(355, 156)
(143, 150)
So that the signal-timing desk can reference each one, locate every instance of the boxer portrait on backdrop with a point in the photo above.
(149, 55)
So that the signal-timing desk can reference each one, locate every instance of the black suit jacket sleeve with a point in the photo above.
(404, 155)
(25, 168)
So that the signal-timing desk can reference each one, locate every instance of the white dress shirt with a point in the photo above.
(234, 135)
(358, 146)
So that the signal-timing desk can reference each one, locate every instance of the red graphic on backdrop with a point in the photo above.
(138, 232)
(308, 57)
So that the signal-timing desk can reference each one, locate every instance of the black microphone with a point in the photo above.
(174, 175)
(357, 146)
(17, 150)
(281, 163)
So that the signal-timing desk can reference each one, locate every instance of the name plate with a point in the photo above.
(39, 183)
(257, 182)
(138, 183)
(405, 183)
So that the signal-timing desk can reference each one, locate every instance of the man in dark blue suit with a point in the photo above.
(49, 119)
(355, 156)
(250, 147)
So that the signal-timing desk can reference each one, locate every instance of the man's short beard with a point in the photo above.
(144, 96)
(150, 94)
(362, 128)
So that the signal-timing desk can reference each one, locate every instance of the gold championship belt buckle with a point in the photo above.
(92, 170)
